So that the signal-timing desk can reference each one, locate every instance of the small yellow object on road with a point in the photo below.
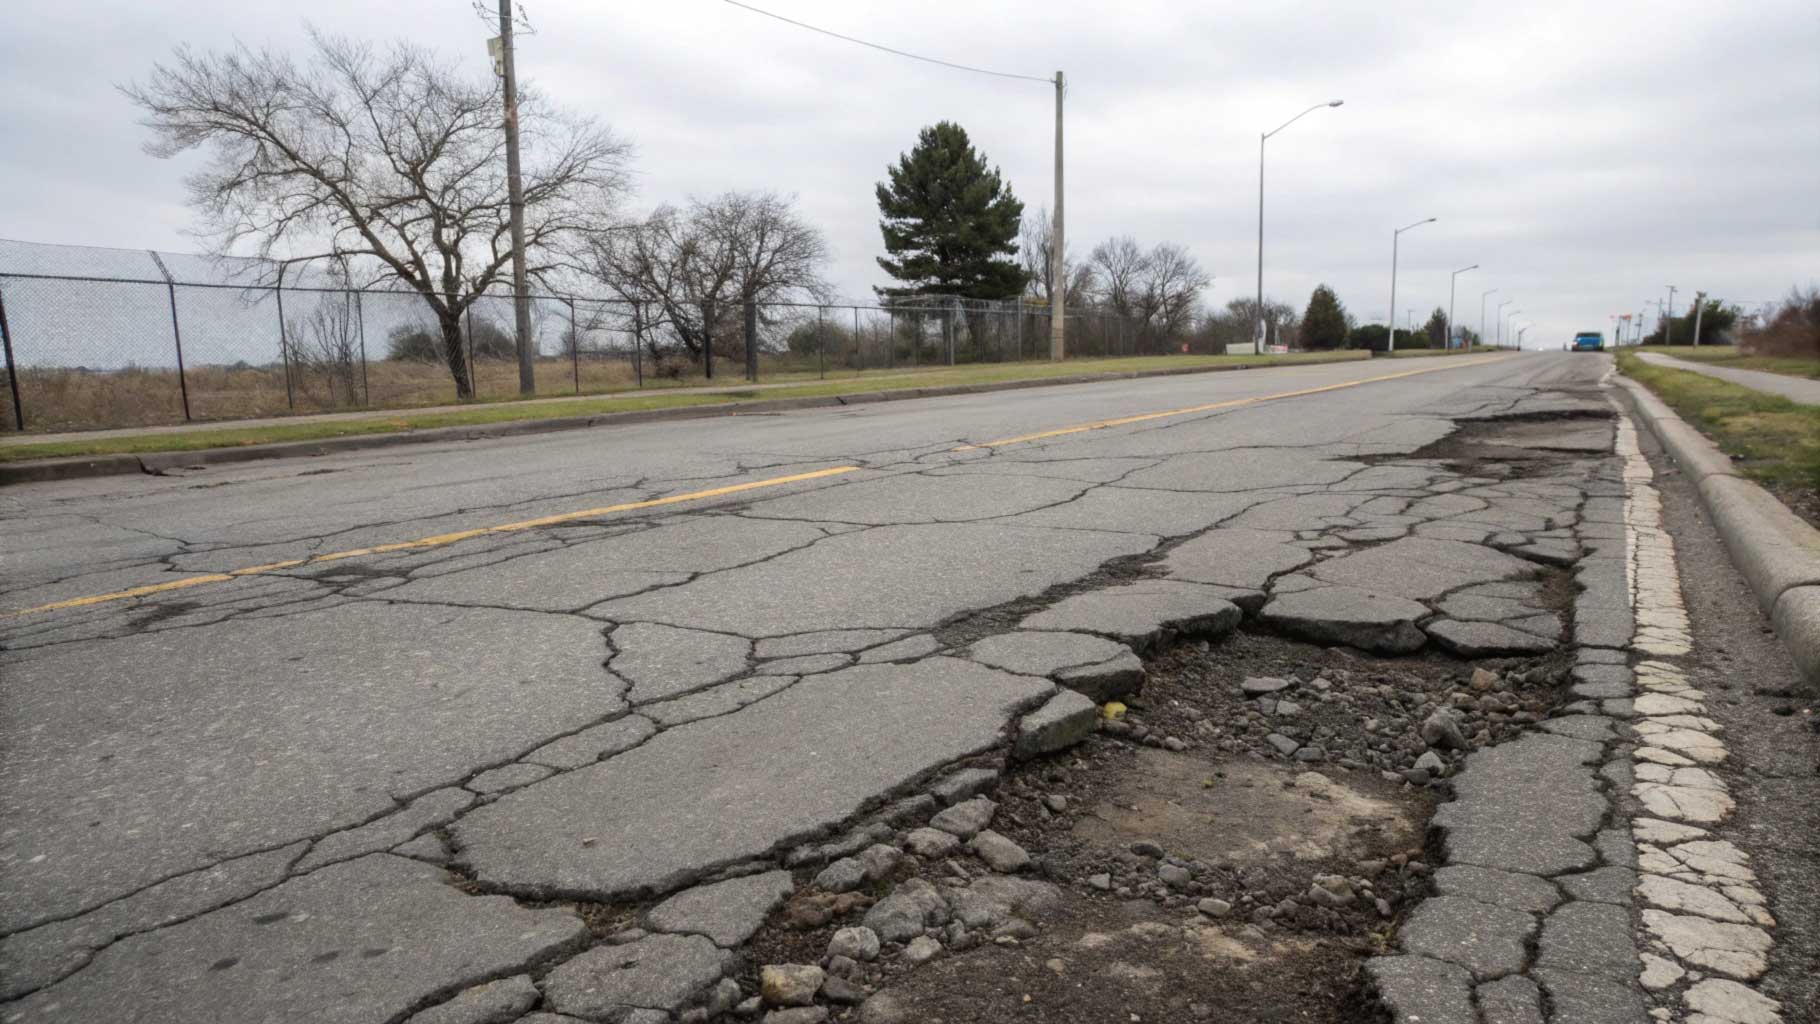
(1113, 711)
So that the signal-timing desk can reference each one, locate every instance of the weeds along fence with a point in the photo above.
(100, 338)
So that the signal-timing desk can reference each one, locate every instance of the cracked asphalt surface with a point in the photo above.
(237, 800)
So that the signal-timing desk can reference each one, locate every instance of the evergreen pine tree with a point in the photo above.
(1434, 332)
(1324, 322)
(949, 221)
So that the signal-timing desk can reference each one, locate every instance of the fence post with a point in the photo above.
(751, 319)
(574, 344)
(638, 342)
(12, 368)
(284, 341)
(473, 391)
(821, 341)
(360, 325)
(183, 384)
(707, 340)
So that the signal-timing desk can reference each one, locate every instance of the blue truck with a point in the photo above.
(1588, 341)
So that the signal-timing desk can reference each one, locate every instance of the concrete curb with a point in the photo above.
(46, 470)
(1776, 551)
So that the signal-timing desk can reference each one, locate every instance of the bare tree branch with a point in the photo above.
(389, 157)
(689, 271)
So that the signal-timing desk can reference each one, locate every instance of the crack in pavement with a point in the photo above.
(351, 590)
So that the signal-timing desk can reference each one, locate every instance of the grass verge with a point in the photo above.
(480, 414)
(1773, 440)
(1727, 355)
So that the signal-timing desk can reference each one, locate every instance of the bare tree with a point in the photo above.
(1281, 321)
(1119, 267)
(691, 272)
(674, 280)
(326, 343)
(1169, 289)
(391, 158)
(1159, 289)
(1036, 241)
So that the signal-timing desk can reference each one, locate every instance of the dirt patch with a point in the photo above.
(1131, 962)
(1241, 811)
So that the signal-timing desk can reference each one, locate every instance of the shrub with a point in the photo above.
(1792, 330)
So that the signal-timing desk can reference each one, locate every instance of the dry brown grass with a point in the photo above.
(76, 399)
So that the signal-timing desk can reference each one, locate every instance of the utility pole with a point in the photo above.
(521, 301)
(1058, 290)
(1668, 318)
(1699, 313)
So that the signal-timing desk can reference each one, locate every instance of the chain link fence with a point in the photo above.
(99, 338)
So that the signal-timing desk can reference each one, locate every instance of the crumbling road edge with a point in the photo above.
(1775, 551)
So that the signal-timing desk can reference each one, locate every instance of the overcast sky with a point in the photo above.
(1585, 155)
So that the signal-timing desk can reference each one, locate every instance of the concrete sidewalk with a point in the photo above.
(1795, 389)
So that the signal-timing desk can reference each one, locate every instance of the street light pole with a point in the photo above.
(1058, 289)
(1395, 237)
(1452, 282)
(1501, 306)
(1257, 332)
(1512, 317)
(1668, 318)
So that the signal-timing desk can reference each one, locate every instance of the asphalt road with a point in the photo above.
(596, 669)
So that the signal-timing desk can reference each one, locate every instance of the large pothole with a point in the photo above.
(1204, 873)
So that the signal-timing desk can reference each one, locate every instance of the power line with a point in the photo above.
(887, 49)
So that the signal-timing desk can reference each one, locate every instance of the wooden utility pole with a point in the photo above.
(521, 301)
(1058, 268)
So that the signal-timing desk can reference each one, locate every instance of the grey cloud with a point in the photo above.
(1584, 155)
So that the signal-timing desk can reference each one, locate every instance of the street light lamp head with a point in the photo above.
(1335, 103)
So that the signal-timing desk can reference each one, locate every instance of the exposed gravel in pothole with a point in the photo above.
(1206, 874)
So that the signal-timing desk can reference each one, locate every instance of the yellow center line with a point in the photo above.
(433, 542)
(443, 539)
(1228, 404)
